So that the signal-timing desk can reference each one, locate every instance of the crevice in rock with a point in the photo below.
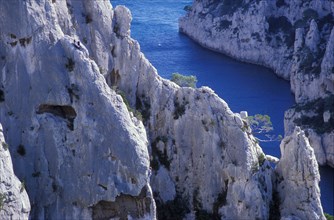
(2, 96)
(64, 111)
(124, 205)
(115, 77)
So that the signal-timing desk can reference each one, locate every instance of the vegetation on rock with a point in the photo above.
(184, 81)
(262, 126)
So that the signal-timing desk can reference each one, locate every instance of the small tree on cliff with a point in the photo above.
(262, 128)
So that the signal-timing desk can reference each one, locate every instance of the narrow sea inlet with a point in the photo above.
(244, 87)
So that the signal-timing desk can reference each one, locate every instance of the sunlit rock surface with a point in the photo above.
(83, 155)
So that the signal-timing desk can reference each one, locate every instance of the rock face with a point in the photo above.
(298, 166)
(203, 160)
(14, 201)
(319, 127)
(294, 38)
(72, 138)
(80, 151)
(291, 37)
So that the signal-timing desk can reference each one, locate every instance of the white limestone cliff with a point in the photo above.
(197, 144)
(294, 38)
(199, 155)
(73, 141)
(14, 201)
(298, 166)
(80, 151)
(319, 132)
(264, 32)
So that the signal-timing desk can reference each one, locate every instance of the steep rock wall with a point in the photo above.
(83, 154)
(298, 166)
(72, 138)
(205, 161)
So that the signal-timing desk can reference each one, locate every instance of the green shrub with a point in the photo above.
(261, 159)
(144, 107)
(262, 128)
(5, 145)
(187, 8)
(135, 112)
(184, 81)
(329, 217)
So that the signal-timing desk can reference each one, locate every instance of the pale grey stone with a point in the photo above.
(298, 179)
(14, 201)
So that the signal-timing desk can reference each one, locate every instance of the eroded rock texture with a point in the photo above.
(72, 138)
(80, 149)
(298, 166)
(294, 38)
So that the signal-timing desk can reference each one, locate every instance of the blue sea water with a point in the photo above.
(243, 86)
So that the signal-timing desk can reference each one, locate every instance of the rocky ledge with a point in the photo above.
(294, 38)
(97, 134)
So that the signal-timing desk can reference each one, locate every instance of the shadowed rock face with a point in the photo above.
(124, 205)
(65, 112)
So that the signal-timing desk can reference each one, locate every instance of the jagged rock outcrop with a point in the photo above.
(80, 151)
(317, 119)
(72, 139)
(14, 201)
(298, 167)
(294, 38)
